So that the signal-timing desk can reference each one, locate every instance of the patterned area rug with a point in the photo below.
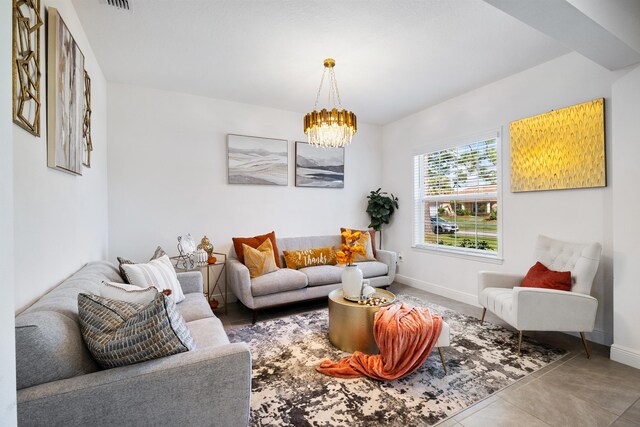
(287, 390)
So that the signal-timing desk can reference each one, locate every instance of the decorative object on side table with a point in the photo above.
(206, 245)
(65, 97)
(380, 208)
(186, 246)
(351, 275)
(26, 64)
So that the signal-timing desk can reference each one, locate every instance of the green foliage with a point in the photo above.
(484, 245)
(493, 215)
(441, 211)
(463, 212)
(380, 208)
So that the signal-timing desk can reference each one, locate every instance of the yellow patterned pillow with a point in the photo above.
(261, 260)
(310, 257)
(365, 240)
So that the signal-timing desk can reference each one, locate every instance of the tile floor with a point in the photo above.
(573, 391)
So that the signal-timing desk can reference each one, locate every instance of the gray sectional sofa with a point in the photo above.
(285, 286)
(59, 383)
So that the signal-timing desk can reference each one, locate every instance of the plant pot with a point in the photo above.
(351, 281)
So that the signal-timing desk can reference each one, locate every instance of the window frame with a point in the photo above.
(419, 221)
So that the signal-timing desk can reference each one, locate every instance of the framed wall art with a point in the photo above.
(559, 150)
(65, 97)
(319, 167)
(26, 64)
(253, 160)
(87, 144)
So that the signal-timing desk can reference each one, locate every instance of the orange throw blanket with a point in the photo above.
(405, 336)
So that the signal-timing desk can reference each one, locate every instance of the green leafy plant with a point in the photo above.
(380, 209)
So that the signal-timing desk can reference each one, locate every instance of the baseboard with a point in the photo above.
(438, 290)
(625, 355)
(597, 336)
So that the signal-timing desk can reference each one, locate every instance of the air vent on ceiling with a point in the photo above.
(122, 5)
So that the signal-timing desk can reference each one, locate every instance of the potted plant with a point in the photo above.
(380, 208)
(351, 275)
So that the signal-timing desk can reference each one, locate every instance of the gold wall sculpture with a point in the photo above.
(559, 150)
(26, 64)
(86, 126)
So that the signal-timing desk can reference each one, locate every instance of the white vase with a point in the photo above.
(351, 281)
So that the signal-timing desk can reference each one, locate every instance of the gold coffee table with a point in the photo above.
(351, 324)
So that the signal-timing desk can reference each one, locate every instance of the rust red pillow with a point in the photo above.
(540, 276)
(254, 242)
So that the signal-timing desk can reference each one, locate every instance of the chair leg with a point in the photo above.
(585, 344)
(484, 312)
(444, 365)
(519, 342)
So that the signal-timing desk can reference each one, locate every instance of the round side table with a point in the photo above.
(351, 324)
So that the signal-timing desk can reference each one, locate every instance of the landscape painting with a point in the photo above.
(261, 161)
(65, 97)
(319, 167)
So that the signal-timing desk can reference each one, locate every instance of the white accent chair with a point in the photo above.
(535, 309)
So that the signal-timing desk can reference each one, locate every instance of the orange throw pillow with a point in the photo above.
(254, 242)
(540, 276)
(259, 261)
(372, 234)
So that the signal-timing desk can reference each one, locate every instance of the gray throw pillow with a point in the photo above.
(120, 333)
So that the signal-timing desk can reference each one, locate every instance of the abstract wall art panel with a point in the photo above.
(65, 97)
(559, 150)
(26, 64)
(319, 167)
(261, 161)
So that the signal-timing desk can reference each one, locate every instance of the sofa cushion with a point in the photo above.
(128, 293)
(310, 257)
(121, 333)
(49, 347)
(373, 268)
(260, 260)
(158, 272)
(281, 280)
(194, 307)
(323, 274)
(499, 301)
(208, 332)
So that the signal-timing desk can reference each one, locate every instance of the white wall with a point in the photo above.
(60, 219)
(626, 152)
(7, 322)
(168, 174)
(582, 215)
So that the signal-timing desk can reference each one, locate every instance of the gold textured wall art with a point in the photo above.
(559, 150)
(86, 127)
(26, 64)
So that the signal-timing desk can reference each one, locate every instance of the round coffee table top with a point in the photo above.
(337, 297)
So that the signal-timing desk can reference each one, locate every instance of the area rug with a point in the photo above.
(287, 390)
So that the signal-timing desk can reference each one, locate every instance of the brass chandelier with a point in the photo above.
(334, 127)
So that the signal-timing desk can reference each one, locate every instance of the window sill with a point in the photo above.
(479, 257)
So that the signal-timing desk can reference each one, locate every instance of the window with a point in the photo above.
(456, 199)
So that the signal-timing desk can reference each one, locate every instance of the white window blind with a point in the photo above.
(456, 196)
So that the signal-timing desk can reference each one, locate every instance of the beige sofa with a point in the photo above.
(287, 286)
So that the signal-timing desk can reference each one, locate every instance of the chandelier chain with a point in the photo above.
(320, 89)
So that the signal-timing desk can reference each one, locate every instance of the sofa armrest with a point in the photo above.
(495, 279)
(239, 281)
(191, 282)
(539, 309)
(391, 259)
(208, 386)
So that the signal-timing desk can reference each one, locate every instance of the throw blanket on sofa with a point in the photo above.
(405, 336)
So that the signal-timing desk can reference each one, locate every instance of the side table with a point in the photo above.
(221, 261)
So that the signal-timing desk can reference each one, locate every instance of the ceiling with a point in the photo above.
(393, 57)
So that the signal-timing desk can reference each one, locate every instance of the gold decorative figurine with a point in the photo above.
(206, 245)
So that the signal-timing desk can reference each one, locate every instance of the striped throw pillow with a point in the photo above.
(119, 333)
(158, 273)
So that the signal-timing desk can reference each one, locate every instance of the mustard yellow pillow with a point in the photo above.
(261, 260)
(310, 257)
